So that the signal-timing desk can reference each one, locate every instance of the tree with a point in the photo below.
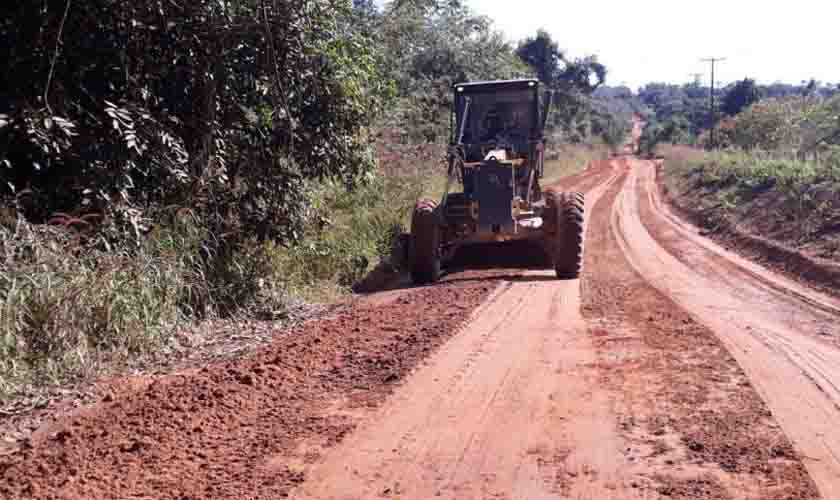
(675, 130)
(543, 55)
(810, 88)
(431, 45)
(689, 101)
(572, 80)
(741, 96)
(227, 108)
(556, 70)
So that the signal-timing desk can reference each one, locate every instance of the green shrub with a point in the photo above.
(63, 301)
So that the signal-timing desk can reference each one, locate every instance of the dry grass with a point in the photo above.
(571, 159)
(794, 202)
(70, 308)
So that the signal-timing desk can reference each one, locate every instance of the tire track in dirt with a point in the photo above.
(235, 429)
(247, 427)
(784, 336)
(489, 415)
(693, 426)
(595, 389)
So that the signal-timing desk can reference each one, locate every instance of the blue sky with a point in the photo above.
(663, 40)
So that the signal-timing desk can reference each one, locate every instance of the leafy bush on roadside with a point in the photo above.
(806, 126)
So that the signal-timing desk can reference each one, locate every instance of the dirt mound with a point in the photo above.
(227, 429)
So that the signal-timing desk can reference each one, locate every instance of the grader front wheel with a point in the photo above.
(564, 232)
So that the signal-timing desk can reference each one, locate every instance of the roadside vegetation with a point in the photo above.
(572, 159)
(165, 164)
(775, 176)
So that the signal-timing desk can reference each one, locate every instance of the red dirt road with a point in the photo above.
(784, 335)
(673, 369)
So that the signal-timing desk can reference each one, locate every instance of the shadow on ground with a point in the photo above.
(507, 259)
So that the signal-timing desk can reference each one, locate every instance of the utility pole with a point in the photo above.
(712, 60)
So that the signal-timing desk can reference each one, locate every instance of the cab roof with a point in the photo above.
(490, 85)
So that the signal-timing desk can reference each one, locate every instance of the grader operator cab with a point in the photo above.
(496, 155)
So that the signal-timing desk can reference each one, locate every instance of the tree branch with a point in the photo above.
(55, 57)
(277, 88)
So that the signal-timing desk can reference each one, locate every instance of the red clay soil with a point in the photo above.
(785, 336)
(221, 431)
(687, 410)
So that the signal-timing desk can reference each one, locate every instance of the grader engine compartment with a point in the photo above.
(496, 157)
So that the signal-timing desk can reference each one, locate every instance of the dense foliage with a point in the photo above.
(681, 114)
(576, 117)
(426, 47)
(803, 126)
(741, 95)
(224, 108)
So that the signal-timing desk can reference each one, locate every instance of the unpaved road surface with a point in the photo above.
(672, 369)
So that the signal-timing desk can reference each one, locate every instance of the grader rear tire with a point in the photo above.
(424, 250)
(565, 232)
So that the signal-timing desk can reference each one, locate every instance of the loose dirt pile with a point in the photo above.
(224, 430)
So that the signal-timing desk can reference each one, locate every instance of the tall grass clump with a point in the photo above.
(352, 231)
(64, 300)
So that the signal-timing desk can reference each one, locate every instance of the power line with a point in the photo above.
(712, 60)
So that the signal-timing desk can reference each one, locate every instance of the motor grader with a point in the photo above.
(496, 156)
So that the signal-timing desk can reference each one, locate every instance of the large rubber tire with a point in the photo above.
(424, 251)
(564, 228)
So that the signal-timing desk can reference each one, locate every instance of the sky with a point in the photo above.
(663, 41)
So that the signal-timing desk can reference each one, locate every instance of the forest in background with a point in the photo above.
(769, 168)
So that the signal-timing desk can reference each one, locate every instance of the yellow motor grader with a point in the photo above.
(496, 156)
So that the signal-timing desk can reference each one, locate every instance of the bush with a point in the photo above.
(63, 300)
(807, 126)
(224, 108)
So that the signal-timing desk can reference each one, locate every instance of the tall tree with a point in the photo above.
(741, 96)
(555, 69)
(572, 80)
(543, 55)
(431, 45)
(225, 107)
